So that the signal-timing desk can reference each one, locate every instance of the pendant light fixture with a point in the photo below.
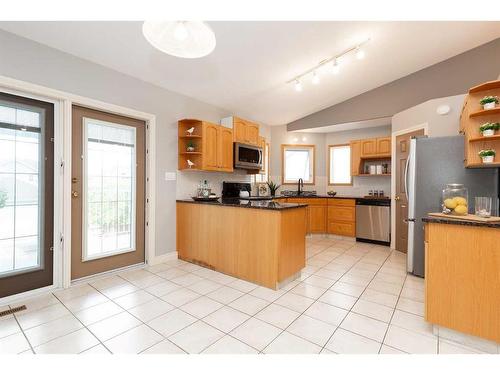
(187, 39)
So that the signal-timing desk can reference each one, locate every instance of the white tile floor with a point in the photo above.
(351, 298)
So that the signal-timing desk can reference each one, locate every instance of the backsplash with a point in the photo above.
(187, 182)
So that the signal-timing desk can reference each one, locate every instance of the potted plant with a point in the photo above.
(273, 187)
(489, 102)
(190, 146)
(488, 156)
(488, 129)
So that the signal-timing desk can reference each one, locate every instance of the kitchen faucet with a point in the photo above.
(300, 186)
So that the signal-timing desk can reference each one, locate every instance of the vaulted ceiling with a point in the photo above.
(249, 68)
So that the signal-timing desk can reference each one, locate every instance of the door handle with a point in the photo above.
(397, 198)
(74, 194)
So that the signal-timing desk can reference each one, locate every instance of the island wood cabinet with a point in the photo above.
(263, 246)
(244, 131)
(212, 143)
(462, 278)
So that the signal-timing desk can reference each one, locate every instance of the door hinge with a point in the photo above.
(62, 164)
(61, 238)
(147, 223)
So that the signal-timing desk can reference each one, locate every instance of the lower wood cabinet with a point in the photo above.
(329, 215)
(342, 217)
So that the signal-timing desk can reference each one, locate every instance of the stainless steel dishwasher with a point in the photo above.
(373, 220)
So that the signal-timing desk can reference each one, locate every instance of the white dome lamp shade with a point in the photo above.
(188, 39)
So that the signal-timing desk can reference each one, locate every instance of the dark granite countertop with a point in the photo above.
(263, 205)
(329, 196)
(443, 220)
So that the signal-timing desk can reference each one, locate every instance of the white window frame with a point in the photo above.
(330, 161)
(312, 162)
(85, 257)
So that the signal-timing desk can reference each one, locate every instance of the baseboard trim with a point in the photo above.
(163, 258)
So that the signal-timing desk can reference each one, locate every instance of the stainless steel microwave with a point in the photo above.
(247, 156)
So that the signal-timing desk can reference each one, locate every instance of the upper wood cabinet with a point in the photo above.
(212, 143)
(355, 157)
(225, 148)
(368, 147)
(375, 147)
(384, 146)
(244, 131)
(210, 147)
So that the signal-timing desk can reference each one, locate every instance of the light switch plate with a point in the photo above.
(170, 176)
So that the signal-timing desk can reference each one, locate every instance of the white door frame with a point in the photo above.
(63, 102)
(425, 127)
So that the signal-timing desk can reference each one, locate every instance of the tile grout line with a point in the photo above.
(317, 299)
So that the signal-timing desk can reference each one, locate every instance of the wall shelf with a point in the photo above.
(491, 85)
(472, 117)
(485, 112)
(190, 153)
(484, 139)
(190, 136)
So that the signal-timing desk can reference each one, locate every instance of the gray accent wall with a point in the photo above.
(447, 78)
(29, 61)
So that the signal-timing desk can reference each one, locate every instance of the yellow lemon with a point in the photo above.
(460, 201)
(450, 203)
(461, 209)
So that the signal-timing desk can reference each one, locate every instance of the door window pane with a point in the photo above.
(109, 188)
(20, 191)
(340, 165)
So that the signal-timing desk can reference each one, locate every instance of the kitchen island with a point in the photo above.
(462, 276)
(257, 241)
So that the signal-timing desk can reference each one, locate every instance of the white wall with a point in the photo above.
(361, 185)
(438, 125)
(33, 62)
(279, 136)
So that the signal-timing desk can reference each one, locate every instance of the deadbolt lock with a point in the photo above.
(74, 194)
(74, 180)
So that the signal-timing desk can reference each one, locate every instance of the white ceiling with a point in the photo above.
(246, 73)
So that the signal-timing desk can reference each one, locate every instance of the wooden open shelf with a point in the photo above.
(484, 139)
(472, 117)
(491, 85)
(189, 153)
(485, 112)
(190, 136)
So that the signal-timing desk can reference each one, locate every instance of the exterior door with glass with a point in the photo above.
(26, 194)
(108, 192)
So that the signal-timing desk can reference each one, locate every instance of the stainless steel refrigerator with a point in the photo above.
(432, 163)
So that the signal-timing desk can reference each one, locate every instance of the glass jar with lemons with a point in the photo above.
(455, 200)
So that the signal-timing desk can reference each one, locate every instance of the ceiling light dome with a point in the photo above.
(188, 39)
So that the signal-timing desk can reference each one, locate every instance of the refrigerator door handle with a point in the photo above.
(406, 175)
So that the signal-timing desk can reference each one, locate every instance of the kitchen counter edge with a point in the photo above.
(442, 220)
(251, 204)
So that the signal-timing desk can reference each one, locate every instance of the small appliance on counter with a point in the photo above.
(204, 192)
(240, 190)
